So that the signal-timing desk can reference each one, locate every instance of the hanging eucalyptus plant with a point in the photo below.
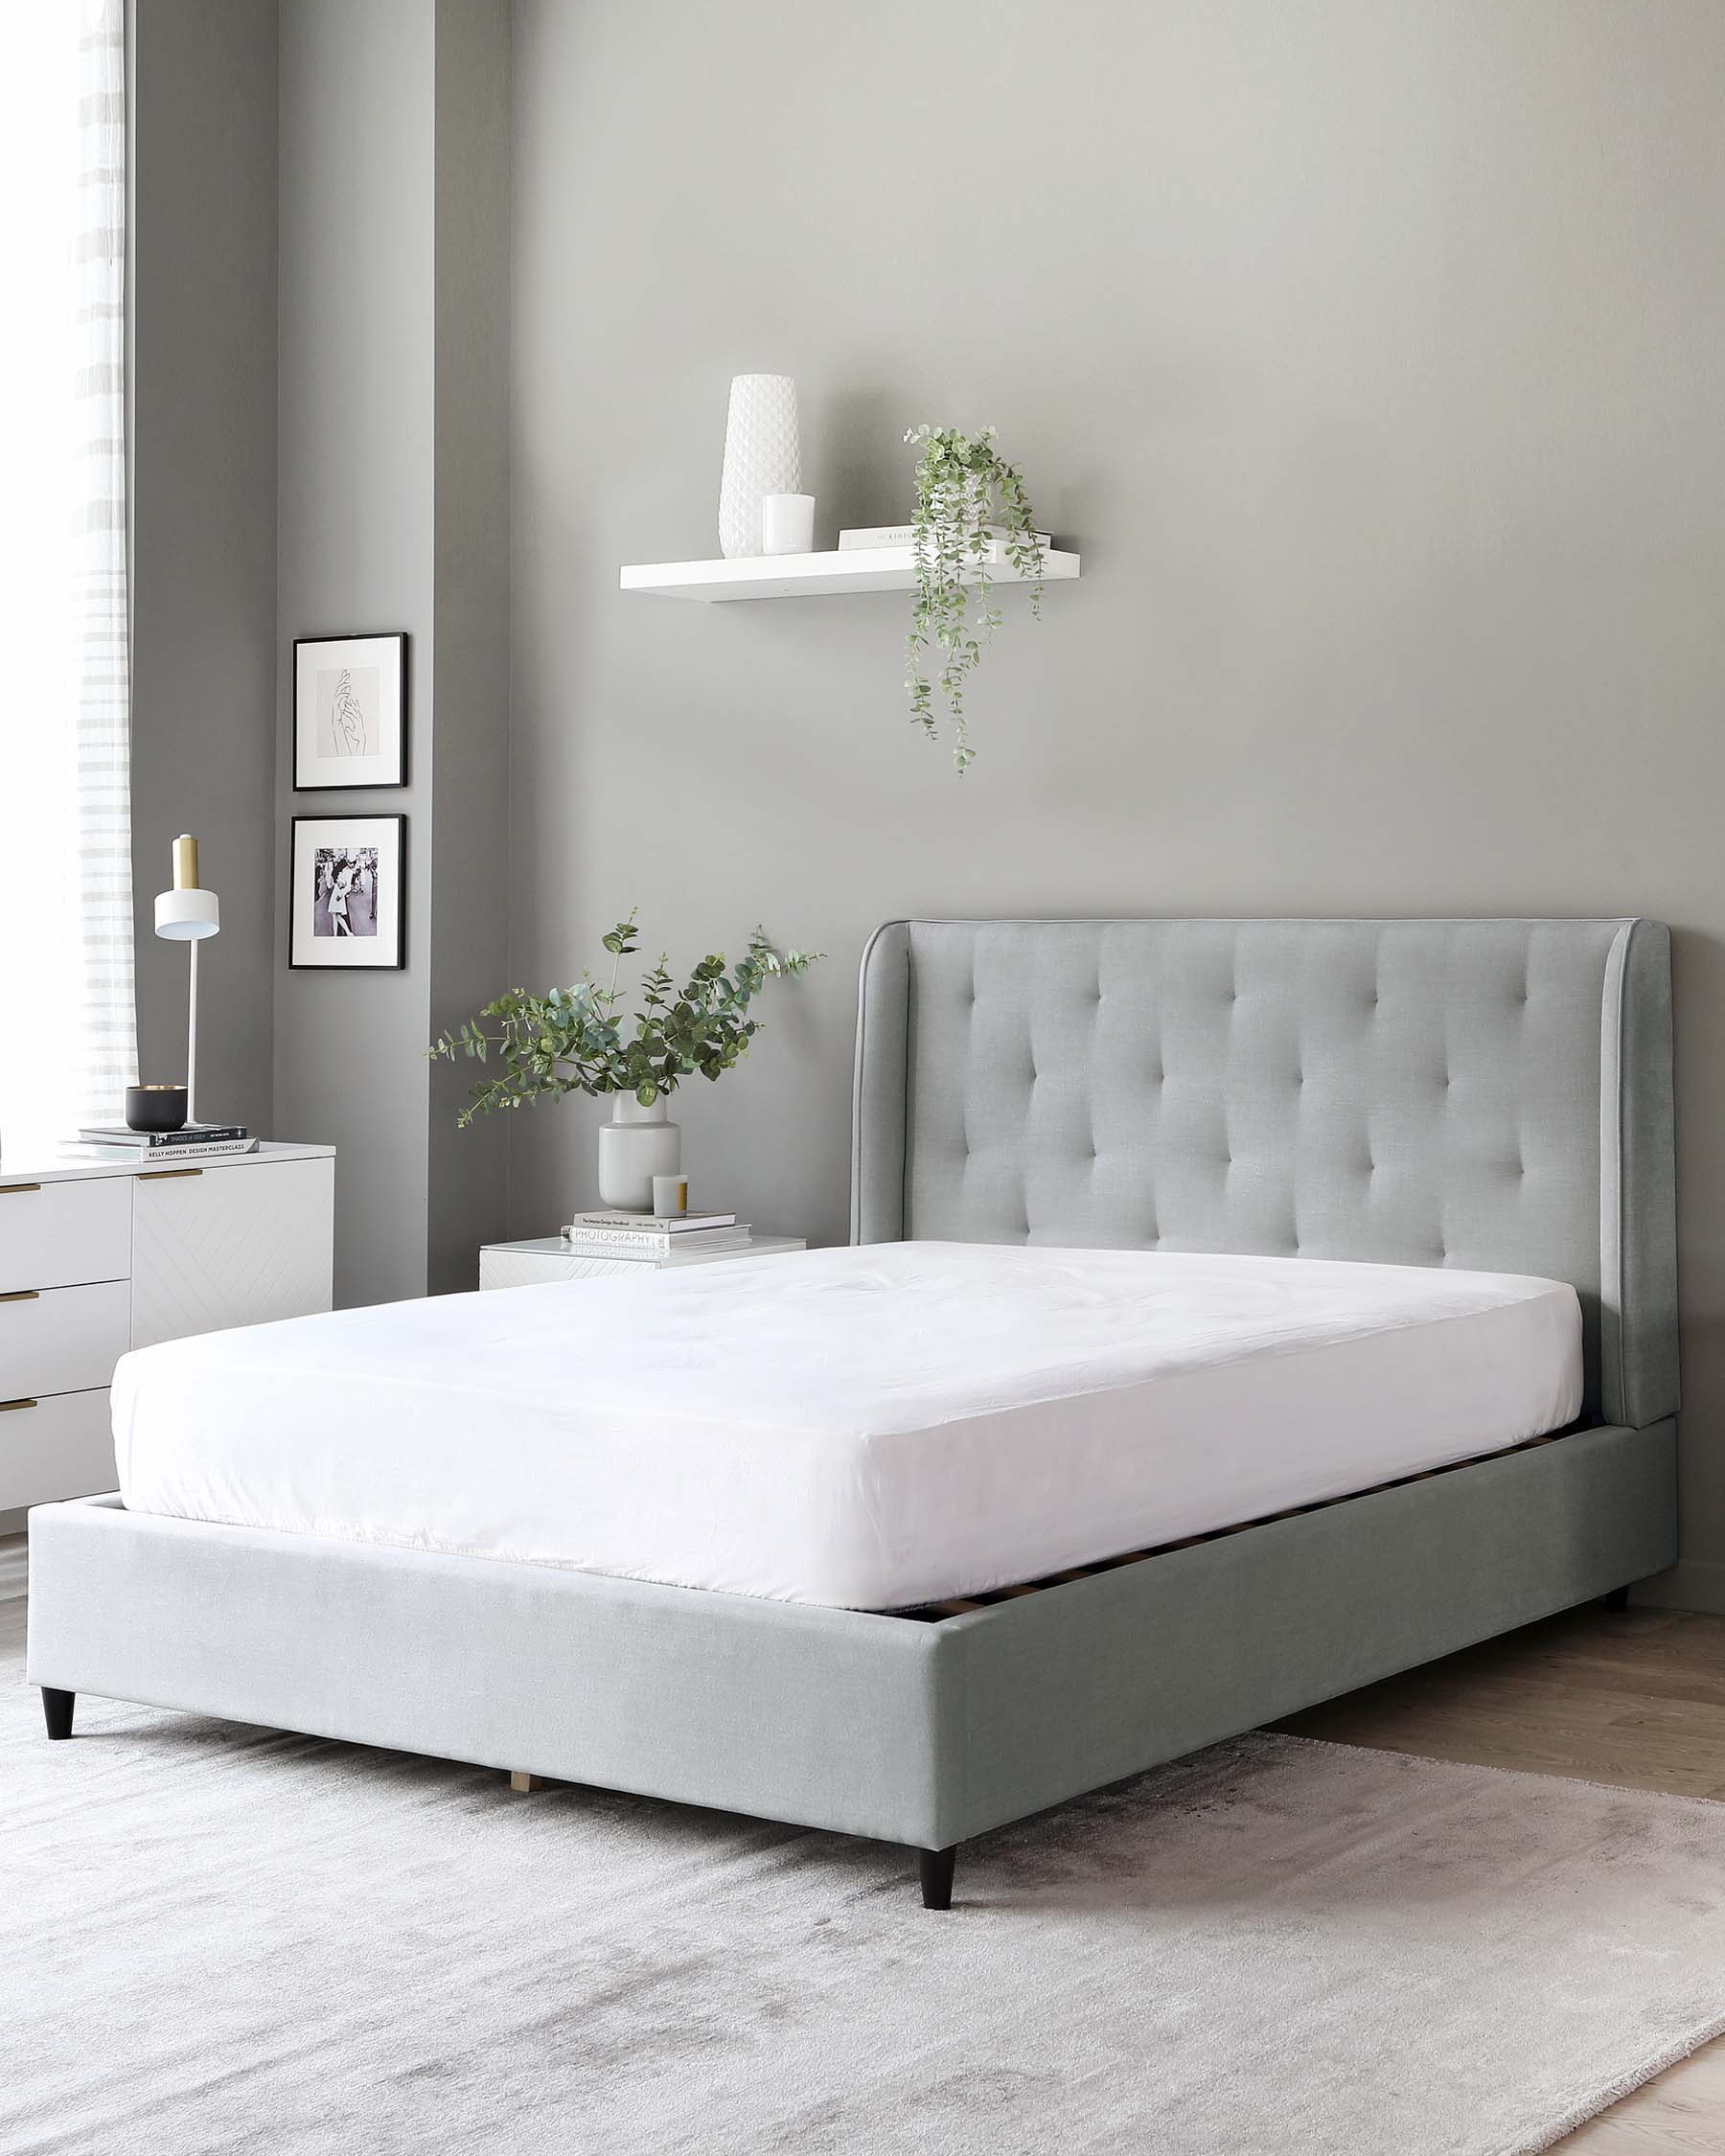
(969, 500)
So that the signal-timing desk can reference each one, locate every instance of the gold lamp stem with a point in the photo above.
(185, 863)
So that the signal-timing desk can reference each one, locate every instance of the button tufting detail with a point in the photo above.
(1231, 1076)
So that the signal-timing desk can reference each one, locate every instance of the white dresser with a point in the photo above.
(99, 1255)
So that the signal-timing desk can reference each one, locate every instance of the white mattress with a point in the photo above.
(864, 1427)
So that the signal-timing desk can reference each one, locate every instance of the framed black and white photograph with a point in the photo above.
(349, 711)
(348, 907)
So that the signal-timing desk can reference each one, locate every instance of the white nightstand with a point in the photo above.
(525, 1265)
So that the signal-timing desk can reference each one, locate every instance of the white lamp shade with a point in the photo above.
(188, 916)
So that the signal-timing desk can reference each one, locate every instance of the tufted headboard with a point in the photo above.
(1495, 1094)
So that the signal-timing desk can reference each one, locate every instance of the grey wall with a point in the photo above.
(467, 949)
(203, 439)
(1373, 358)
(356, 457)
(394, 496)
(320, 324)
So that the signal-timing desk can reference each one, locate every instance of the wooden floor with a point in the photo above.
(1636, 1700)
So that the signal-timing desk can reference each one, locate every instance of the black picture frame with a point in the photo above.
(378, 953)
(383, 769)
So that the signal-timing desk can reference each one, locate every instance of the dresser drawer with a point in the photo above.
(63, 1447)
(53, 1234)
(240, 1243)
(63, 1339)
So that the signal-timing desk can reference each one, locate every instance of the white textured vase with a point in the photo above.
(637, 1144)
(763, 455)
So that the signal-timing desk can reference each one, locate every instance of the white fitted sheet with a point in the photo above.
(866, 1428)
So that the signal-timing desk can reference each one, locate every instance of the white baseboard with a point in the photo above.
(1692, 1583)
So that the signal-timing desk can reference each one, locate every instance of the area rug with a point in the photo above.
(218, 1939)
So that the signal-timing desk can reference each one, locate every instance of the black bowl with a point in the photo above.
(156, 1108)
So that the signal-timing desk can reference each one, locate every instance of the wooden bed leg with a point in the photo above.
(936, 1869)
(57, 1710)
(524, 1784)
(1617, 1600)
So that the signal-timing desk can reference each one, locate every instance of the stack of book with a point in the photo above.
(195, 1141)
(644, 1236)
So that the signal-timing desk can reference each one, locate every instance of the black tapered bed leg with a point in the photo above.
(57, 1710)
(937, 1867)
(1618, 1599)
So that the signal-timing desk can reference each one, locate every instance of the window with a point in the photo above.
(67, 1025)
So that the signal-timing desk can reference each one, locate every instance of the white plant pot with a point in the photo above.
(637, 1144)
(763, 455)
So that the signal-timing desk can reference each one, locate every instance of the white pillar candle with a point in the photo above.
(788, 523)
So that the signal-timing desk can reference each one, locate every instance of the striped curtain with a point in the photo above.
(67, 1015)
(107, 1014)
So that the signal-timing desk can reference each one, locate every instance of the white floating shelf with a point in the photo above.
(811, 576)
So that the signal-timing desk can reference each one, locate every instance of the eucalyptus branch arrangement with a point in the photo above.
(578, 1041)
(968, 500)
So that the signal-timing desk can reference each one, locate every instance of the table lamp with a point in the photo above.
(187, 914)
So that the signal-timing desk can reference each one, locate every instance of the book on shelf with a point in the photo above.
(905, 535)
(595, 1243)
(648, 1224)
(162, 1141)
(210, 1149)
(686, 1252)
(738, 1232)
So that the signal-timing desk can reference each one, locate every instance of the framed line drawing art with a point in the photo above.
(348, 904)
(350, 712)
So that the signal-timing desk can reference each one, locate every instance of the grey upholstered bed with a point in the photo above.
(1492, 1094)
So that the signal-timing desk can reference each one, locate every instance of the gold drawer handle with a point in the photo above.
(166, 1175)
(18, 1189)
(9, 1407)
(21, 1294)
